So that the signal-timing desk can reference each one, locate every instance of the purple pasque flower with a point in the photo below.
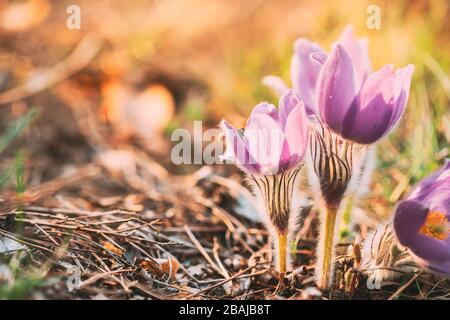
(270, 151)
(306, 65)
(361, 112)
(307, 61)
(421, 222)
(273, 140)
(350, 119)
(357, 105)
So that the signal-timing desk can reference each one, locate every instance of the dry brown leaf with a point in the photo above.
(111, 247)
(161, 267)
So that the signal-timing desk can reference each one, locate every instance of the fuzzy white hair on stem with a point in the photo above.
(368, 166)
(279, 205)
(336, 162)
(383, 258)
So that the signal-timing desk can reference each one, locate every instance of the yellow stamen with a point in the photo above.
(436, 226)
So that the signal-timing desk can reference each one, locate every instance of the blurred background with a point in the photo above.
(136, 71)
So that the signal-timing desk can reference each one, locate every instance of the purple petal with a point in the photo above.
(336, 88)
(434, 191)
(236, 149)
(358, 51)
(296, 131)
(427, 185)
(275, 83)
(430, 249)
(432, 194)
(409, 217)
(304, 72)
(287, 103)
(380, 105)
(369, 119)
(265, 108)
(440, 267)
(264, 139)
(402, 84)
(318, 57)
(286, 157)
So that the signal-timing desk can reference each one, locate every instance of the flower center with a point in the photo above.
(436, 226)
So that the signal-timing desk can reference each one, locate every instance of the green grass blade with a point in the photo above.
(16, 128)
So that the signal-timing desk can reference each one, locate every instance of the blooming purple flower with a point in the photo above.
(363, 115)
(304, 72)
(307, 61)
(270, 151)
(421, 222)
(355, 108)
(353, 102)
(273, 140)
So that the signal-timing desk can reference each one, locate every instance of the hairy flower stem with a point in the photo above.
(326, 247)
(277, 198)
(344, 229)
(333, 162)
(282, 249)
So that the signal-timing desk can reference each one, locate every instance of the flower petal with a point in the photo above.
(275, 83)
(265, 108)
(304, 72)
(368, 120)
(409, 217)
(236, 149)
(380, 105)
(286, 104)
(318, 57)
(430, 249)
(427, 185)
(296, 132)
(359, 52)
(440, 267)
(264, 139)
(402, 84)
(336, 88)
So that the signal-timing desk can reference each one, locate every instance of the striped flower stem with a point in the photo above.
(332, 159)
(276, 193)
